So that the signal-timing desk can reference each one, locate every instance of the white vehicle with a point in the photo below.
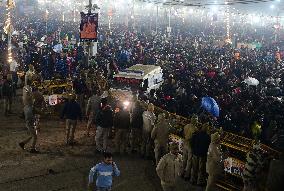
(139, 77)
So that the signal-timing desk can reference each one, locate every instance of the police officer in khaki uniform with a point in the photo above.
(188, 131)
(39, 106)
(214, 166)
(92, 109)
(27, 94)
(29, 118)
(149, 119)
(160, 135)
(169, 168)
(30, 74)
(30, 124)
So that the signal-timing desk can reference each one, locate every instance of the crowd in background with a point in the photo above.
(195, 64)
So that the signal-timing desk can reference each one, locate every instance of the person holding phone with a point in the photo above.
(104, 172)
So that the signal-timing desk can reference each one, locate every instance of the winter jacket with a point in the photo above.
(200, 143)
(121, 120)
(103, 173)
(168, 168)
(61, 67)
(104, 117)
(160, 133)
(80, 86)
(7, 89)
(72, 110)
(148, 121)
(137, 119)
(254, 165)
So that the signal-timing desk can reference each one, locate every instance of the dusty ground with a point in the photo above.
(22, 171)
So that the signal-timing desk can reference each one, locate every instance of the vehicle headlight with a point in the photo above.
(126, 103)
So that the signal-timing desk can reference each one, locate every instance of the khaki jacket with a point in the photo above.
(169, 168)
(29, 76)
(93, 105)
(148, 121)
(214, 164)
(160, 133)
(27, 96)
(188, 131)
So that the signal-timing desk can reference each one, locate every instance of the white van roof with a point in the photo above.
(138, 71)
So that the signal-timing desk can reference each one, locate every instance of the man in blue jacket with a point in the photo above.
(104, 172)
(72, 112)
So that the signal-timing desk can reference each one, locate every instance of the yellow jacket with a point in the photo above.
(188, 131)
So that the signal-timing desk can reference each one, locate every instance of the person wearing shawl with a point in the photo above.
(160, 135)
(214, 165)
(254, 165)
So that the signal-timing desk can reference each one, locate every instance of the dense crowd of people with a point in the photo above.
(196, 63)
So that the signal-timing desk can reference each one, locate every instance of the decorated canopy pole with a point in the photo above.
(169, 28)
(89, 29)
(110, 15)
(8, 29)
(46, 20)
(157, 17)
(228, 27)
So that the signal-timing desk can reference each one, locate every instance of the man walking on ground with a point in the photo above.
(92, 109)
(29, 118)
(28, 94)
(7, 92)
(72, 111)
(104, 172)
(169, 168)
(80, 89)
(104, 123)
(121, 125)
(39, 106)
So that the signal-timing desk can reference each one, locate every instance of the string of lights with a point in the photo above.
(8, 29)
(228, 20)
(205, 3)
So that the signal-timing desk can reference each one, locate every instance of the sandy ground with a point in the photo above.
(22, 171)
